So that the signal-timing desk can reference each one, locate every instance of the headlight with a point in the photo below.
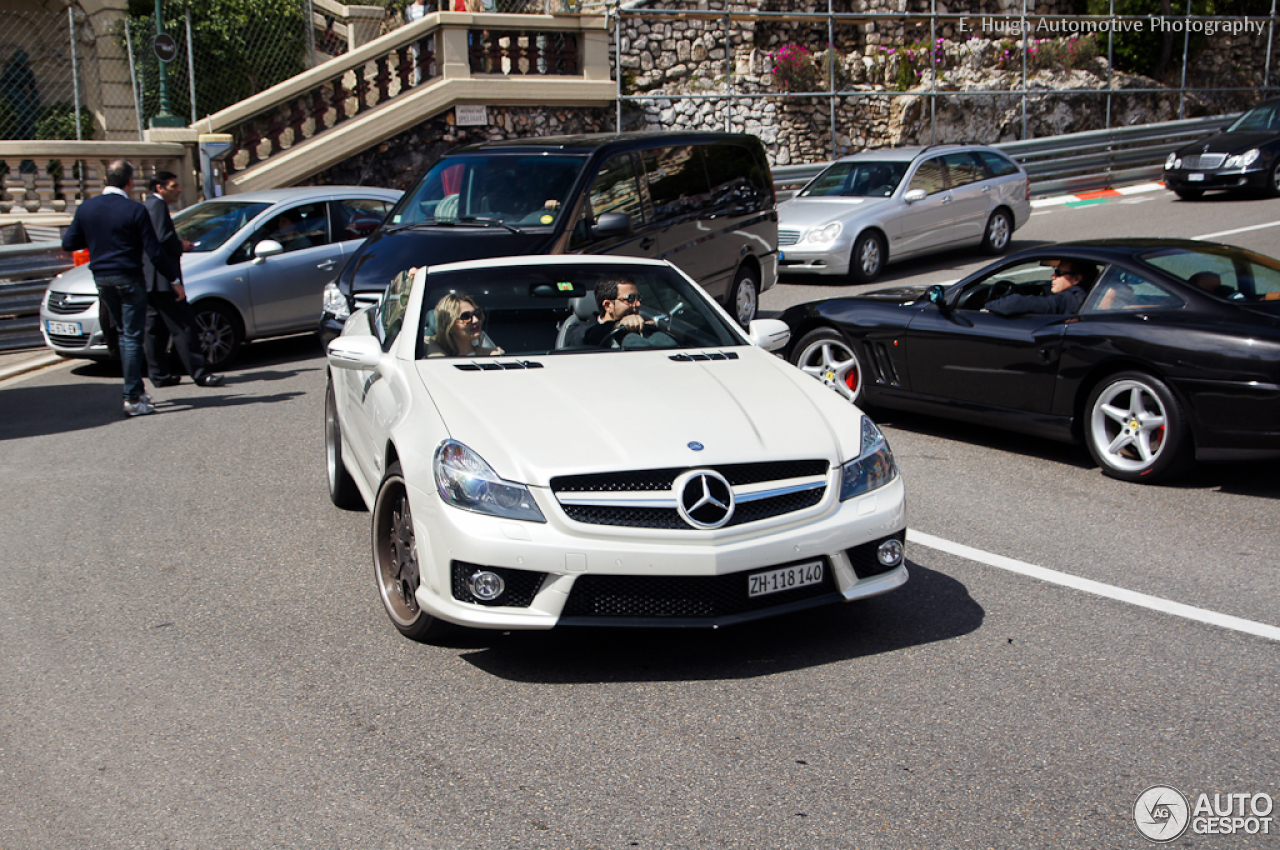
(873, 468)
(335, 303)
(1172, 162)
(465, 481)
(826, 233)
(1243, 160)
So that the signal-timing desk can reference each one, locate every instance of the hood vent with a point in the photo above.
(714, 355)
(497, 366)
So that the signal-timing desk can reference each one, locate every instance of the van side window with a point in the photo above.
(739, 183)
(614, 190)
(677, 181)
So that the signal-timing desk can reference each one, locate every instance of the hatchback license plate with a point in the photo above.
(63, 328)
(786, 578)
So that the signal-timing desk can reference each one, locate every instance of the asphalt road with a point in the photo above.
(195, 657)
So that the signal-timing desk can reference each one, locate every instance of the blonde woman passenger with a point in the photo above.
(459, 329)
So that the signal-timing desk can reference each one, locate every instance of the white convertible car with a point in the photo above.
(677, 476)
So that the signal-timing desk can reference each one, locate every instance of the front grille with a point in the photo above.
(1205, 161)
(679, 597)
(521, 585)
(657, 484)
(66, 304)
(68, 341)
(788, 237)
(864, 561)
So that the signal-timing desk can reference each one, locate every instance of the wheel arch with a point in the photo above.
(877, 229)
(1102, 371)
(807, 324)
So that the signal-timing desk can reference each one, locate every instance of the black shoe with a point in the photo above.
(209, 380)
(166, 382)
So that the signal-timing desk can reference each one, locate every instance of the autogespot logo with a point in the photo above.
(1161, 813)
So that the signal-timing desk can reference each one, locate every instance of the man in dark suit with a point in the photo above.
(168, 312)
(118, 233)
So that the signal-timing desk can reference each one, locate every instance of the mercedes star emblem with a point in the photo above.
(705, 499)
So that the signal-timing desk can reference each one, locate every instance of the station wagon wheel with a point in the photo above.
(396, 567)
(744, 298)
(219, 331)
(342, 487)
(825, 355)
(1136, 429)
(998, 234)
(868, 257)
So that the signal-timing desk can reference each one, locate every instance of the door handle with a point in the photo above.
(327, 264)
(946, 200)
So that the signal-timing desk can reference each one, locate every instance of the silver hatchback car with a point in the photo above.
(258, 268)
(878, 206)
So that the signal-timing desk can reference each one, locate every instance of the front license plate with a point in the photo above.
(1195, 178)
(787, 578)
(63, 328)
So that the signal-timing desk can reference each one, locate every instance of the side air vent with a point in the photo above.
(711, 355)
(498, 366)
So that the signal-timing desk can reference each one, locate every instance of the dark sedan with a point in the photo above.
(1173, 356)
(1246, 155)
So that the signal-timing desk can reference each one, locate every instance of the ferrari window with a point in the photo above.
(1121, 289)
(390, 314)
(1029, 278)
(1228, 272)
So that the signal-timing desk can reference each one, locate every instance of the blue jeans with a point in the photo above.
(126, 300)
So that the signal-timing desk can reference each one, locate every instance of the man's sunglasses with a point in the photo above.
(630, 299)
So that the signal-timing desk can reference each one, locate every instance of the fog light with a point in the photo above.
(486, 586)
(890, 552)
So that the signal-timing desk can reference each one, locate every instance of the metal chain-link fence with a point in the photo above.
(39, 85)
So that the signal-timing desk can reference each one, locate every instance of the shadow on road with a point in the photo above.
(928, 608)
(89, 396)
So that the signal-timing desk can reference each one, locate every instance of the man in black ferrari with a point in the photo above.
(1065, 296)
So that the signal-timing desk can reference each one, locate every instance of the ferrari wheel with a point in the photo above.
(396, 567)
(825, 355)
(1136, 429)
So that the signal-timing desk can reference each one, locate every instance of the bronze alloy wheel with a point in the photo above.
(395, 559)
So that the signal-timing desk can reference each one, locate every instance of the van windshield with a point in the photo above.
(515, 190)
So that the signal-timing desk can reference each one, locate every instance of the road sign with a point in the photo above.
(166, 49)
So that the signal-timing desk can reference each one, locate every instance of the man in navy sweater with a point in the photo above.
(118, 231)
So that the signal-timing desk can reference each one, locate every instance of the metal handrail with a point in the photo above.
(1097, 159)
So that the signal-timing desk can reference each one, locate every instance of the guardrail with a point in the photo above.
(1098, 159)
(25, 272)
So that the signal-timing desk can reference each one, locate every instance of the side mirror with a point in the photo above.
(915, 195)
(355, 352)
(769, 334)
(266, 248)
(611, 224)
(937, 296)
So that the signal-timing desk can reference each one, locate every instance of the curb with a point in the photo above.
(1085, 199)
(30, 365)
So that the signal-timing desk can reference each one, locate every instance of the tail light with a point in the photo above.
(1028, 197)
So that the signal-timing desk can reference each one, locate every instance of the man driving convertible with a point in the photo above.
(619, 318)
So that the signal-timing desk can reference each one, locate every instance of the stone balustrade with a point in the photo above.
(46, 180)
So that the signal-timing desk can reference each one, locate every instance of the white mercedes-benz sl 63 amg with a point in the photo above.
(584, 440)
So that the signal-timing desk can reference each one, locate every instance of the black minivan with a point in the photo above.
(704, 201)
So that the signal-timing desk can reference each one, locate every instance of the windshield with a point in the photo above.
(1260, 118)
(207, 226)
(520, 190)
(862, 179)
(552, 309)
(1231, 273)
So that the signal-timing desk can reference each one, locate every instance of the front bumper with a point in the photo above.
(89, 340)
(799, 259)
(1187, 179)
(634, 574)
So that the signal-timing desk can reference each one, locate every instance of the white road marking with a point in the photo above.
(1108, 591)
(1238, 230)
